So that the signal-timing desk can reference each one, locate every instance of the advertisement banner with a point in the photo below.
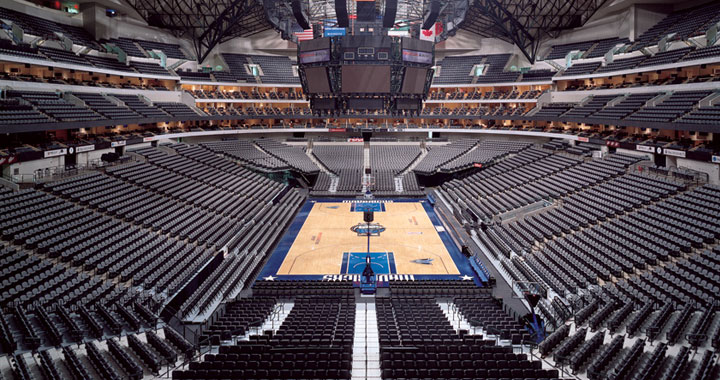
(645, 148)
(417, 56)
(315, 56)
(333, 32)
(55, 153)
(675, 153)
(85, 148)
(399, 32)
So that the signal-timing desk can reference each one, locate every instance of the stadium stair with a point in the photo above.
(398, 184)
(316, 161)
(423, 153)
(272, 323)
(555, 65)
(457, 319)
(334, 182)
(177, 64)
(366, 346)
(366, 157)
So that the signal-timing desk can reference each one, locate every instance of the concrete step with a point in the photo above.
(366, 345)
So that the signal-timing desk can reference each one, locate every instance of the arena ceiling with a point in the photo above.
(408, 11)
(524, 23)
(206, 23)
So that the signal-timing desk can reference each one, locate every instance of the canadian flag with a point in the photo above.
(430, 34)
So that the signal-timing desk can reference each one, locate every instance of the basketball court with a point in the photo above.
(410, 240)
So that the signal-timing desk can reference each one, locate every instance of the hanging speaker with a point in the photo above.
(390, 12)
(432, 16)
(302, 20)
(365, 10)
(341, 13)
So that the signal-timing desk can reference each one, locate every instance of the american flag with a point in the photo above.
(304, 35)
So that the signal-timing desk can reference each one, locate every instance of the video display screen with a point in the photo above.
(323, 104)
(414, 80)
(315, 56)
(317, 80)
(365, 104)
(364, 79)
(409, 104)
(417, 56)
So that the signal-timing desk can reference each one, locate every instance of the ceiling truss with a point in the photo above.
(208, 23)
(526, 23)
(205, 23)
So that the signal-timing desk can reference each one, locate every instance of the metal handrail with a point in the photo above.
(54, 173)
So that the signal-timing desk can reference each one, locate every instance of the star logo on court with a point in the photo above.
(466, 278)
(269, 278)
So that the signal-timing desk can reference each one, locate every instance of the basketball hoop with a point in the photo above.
(368, 181)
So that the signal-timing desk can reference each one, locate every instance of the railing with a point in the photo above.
(55, 173)
(204, 345)
(50, 174)
(454, 315)
(524, 210)
(681, 174)
(200, 346)
(275, 317)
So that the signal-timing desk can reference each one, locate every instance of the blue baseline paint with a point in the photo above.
(379, 262)
(278, 256)
(478, 270)
(391, 260)
(362, 207)
(344, 265)
(283, 247)
(462, 262)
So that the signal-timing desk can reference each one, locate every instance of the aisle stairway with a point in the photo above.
(399, 185)
(366, 346)
(272, 322)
